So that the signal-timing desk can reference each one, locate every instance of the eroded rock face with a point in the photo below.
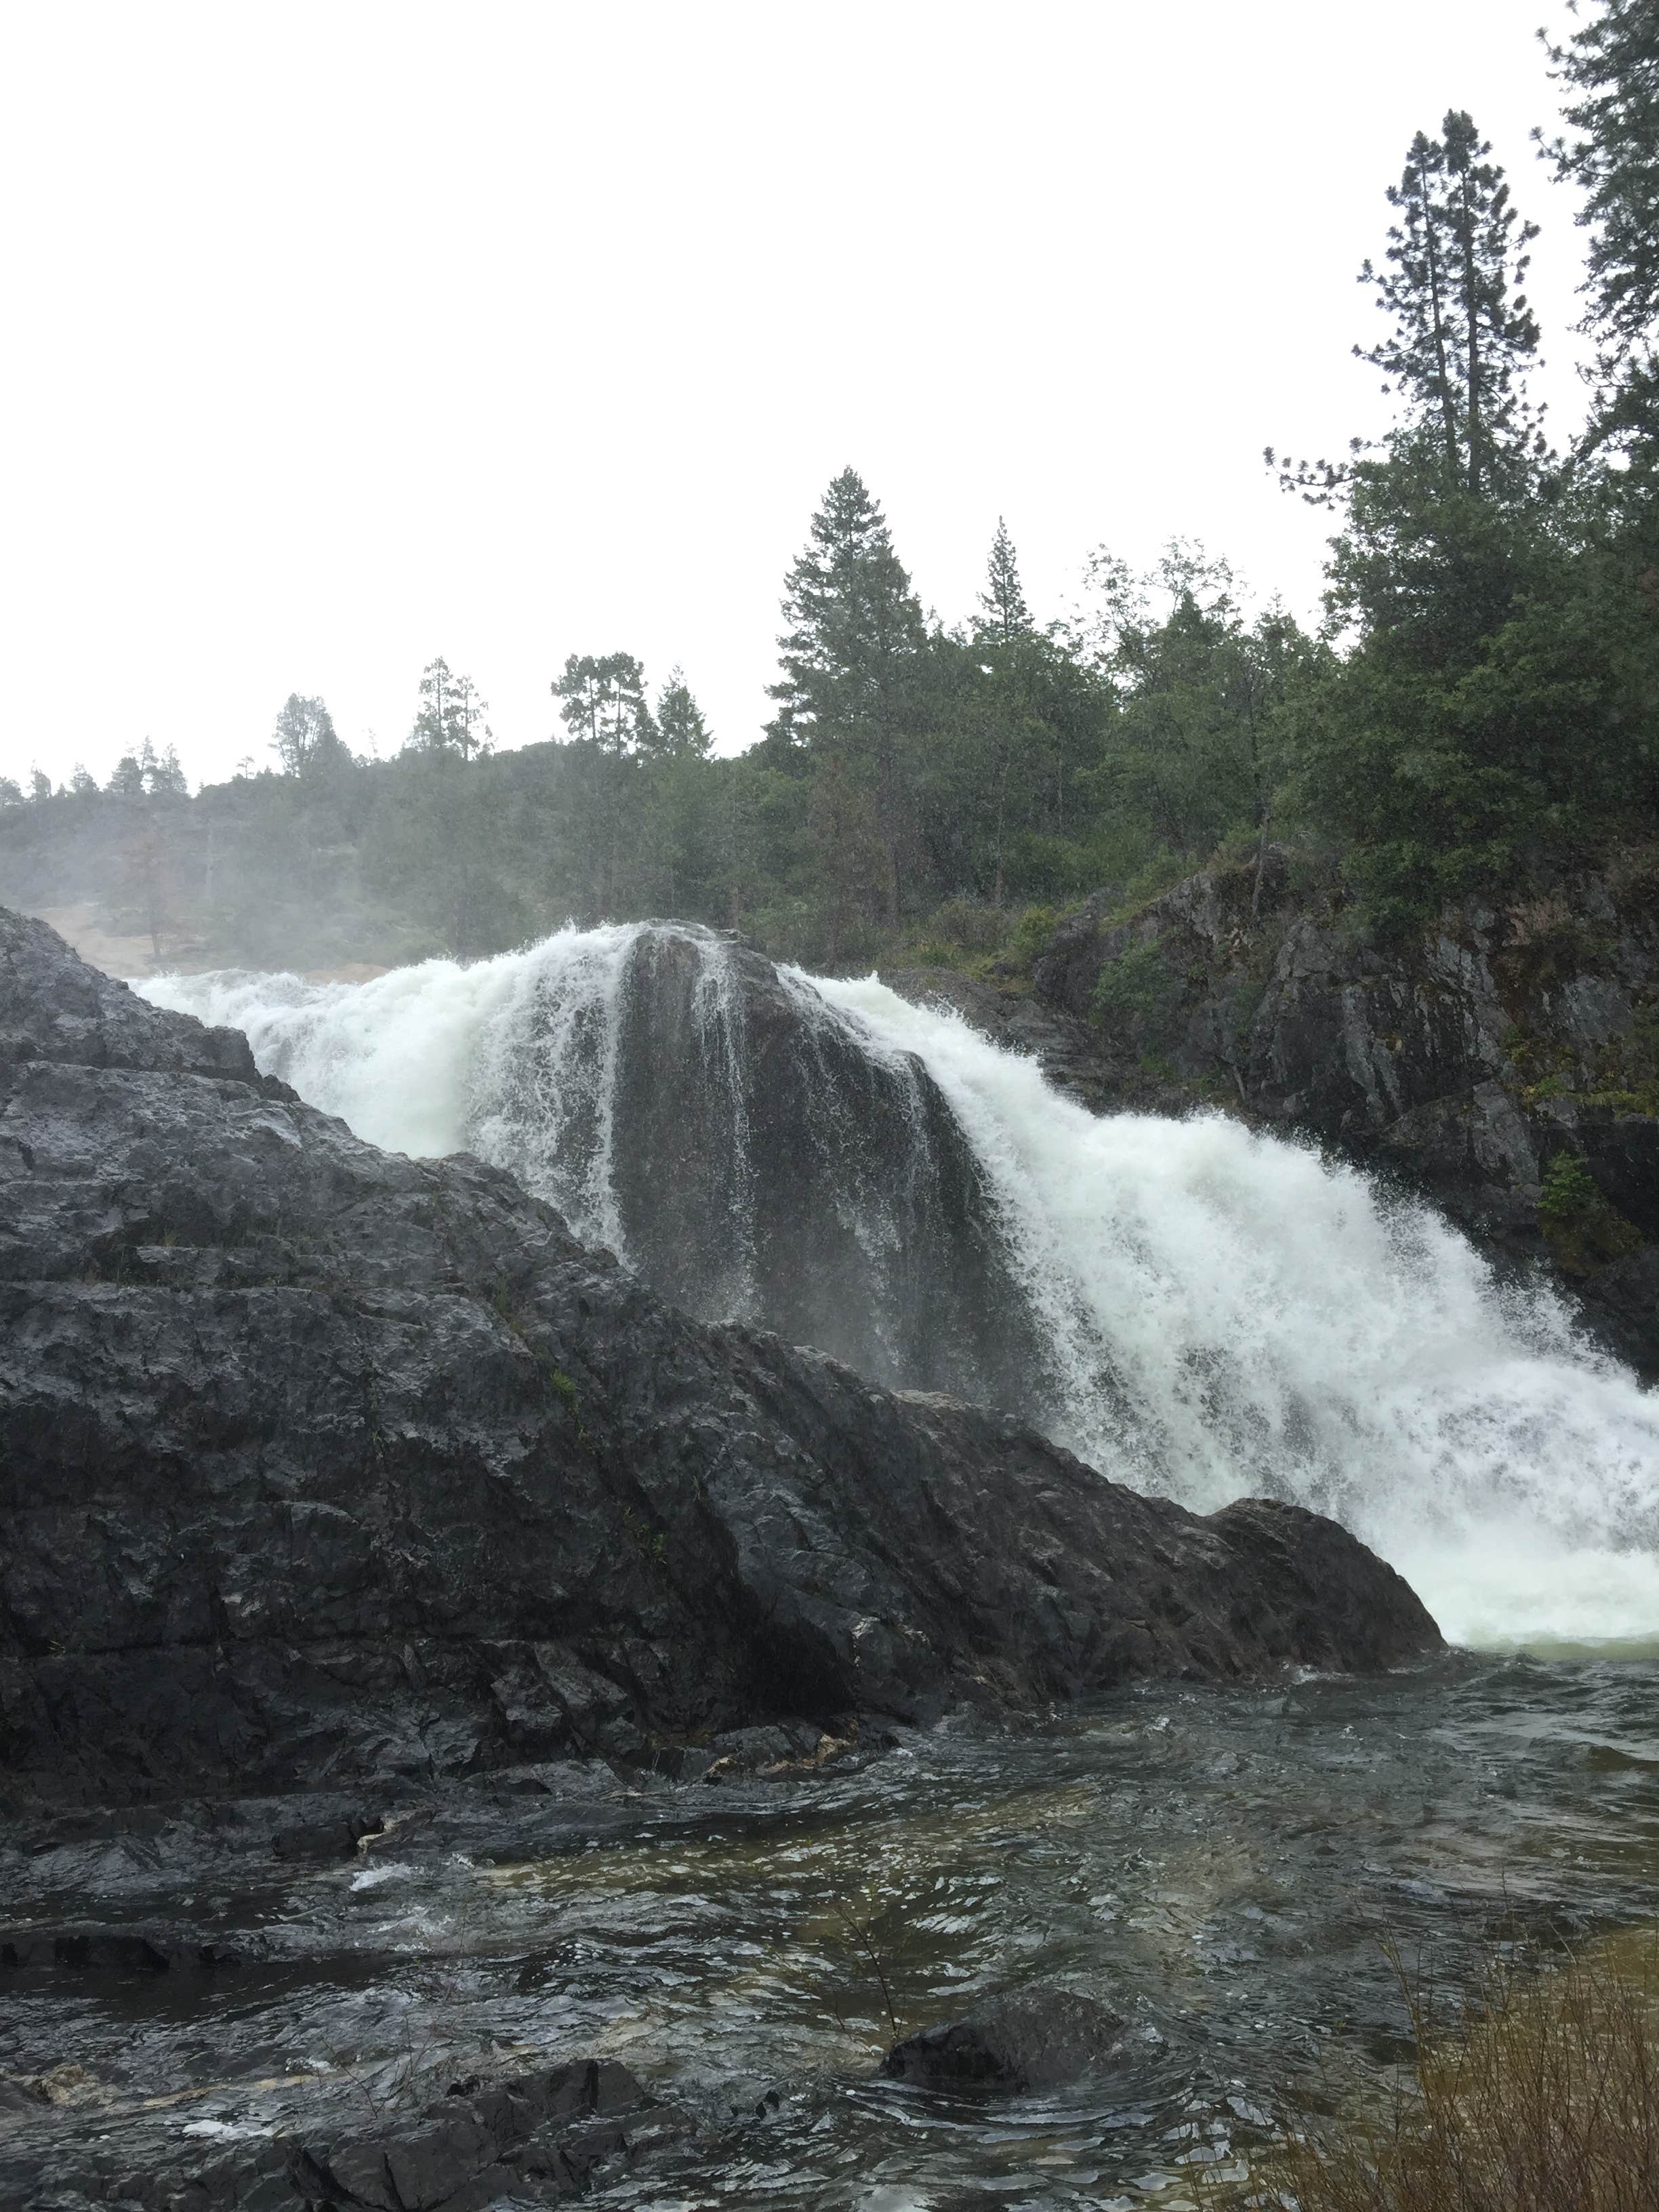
(318, 1461)
(1469, 1061)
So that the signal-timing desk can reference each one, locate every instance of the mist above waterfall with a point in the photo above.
(1192, 1307)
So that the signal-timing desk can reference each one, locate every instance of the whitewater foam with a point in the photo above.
(1224, 1312)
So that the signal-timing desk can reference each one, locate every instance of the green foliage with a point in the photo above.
(1499, 704)
(1581, 1228)
(305, 740)
(1611, 152)
(450, 719)
(1139, 991)
(1033, 934)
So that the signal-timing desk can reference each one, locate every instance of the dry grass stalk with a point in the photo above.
(1543, 2098)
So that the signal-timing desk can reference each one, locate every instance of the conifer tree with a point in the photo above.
(451, 716)
(680, 728)
(854, 624)
(850, 661)
(1463, 336)
(1612, 65)
(602, 701)
(1004, 615)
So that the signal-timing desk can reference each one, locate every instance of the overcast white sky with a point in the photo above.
(340, 336)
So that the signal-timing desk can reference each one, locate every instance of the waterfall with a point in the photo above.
(1190, 1305)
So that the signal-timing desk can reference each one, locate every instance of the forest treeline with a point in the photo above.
(1480, 698)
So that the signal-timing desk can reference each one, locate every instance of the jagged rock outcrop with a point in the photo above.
(1477, 1062)
(320, 1462)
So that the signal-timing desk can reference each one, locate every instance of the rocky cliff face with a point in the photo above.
(1505, 1062)
(319, 1462)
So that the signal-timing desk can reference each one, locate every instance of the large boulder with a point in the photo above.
(317, 1461)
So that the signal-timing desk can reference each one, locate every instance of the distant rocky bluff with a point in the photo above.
(317, 1461)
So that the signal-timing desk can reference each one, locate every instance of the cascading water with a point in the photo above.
(1192, 1307)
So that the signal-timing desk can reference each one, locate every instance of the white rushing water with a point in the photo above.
(1226, 1313)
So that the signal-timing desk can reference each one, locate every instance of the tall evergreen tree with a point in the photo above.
(850, 656)
(681, 728)
(451, 718)
(1004, 615)
(602, 700)
(1612, 65)
(854, 623)
(1463, 335)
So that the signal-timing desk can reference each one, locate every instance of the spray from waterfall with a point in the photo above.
(1192, 1307)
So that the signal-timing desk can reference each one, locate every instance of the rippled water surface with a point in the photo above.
(1220, 1864)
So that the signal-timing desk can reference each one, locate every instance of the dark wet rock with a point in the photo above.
(1462, 1062)
(320, 1466)
(833, 1139)
(82, 1948)
(1024, 2040)
(535, 2139)
(329, 1839)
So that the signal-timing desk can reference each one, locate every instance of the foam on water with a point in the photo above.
(1225, 1312)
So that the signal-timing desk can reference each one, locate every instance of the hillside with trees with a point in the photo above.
(1478, 708)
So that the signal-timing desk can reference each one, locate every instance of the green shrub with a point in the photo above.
(1582, 1228)
(1139, 991)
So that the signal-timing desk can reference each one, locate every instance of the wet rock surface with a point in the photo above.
(790, 1171)
(321, 1463)
(534, 2138)
(1039, 2038)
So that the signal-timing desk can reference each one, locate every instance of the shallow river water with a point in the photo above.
(1223, 1865)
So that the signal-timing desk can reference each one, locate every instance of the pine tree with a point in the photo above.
(451, 716)
(853, 621)
(681, 729)
(602, 701)
(1004, 614)
(851, 657)
(1463, 336)
(164, 778)
(1612, 65)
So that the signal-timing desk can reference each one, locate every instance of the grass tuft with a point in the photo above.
(1540, 2093)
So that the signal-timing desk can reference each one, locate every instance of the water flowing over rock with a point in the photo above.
(1467, 1057)
(322, 1461)
(1192, 1305)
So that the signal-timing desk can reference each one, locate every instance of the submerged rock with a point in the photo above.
(1024, 2040)
(319, 1463)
